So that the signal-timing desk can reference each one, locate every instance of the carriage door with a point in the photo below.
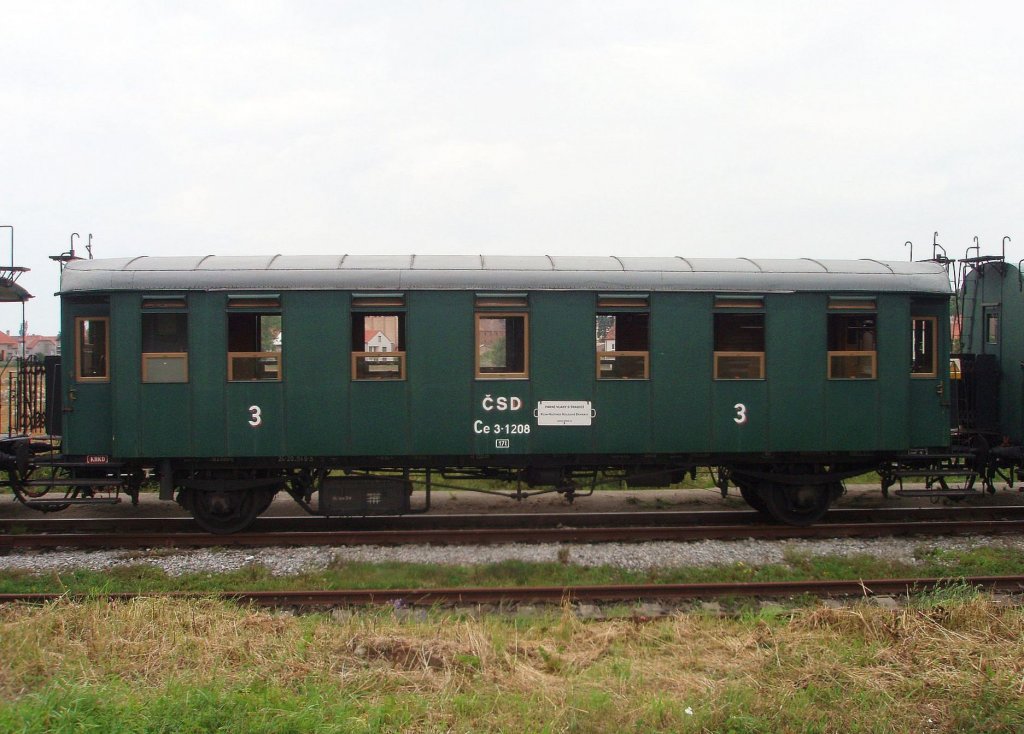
(87, 396)
(929, 380)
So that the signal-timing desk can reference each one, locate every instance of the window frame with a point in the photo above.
(759, 356)
(356, 356)
(164, 305)
(991, 314)
(646, 357)
(79, 377)
(255, 355)
(616, 304)
(503, 314)
(934, 371)
(847, 306)
(400, 354)
(148, 356)
(259, 306)
(739, 305)
(863, 353)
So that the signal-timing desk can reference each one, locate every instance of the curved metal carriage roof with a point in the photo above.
(498, 272)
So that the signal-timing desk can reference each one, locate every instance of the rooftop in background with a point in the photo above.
(35, 345)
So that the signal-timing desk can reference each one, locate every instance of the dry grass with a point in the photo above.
(819, 669)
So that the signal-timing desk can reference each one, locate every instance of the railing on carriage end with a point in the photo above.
(23, 397)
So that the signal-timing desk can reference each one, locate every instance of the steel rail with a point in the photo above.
(557, 594)
(505, 535)
(639, 518)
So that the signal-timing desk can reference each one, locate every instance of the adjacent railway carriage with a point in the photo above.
(231, 378)
(989, 370)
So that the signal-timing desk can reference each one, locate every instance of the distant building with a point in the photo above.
(376, 341)
(10, 346)
(607, 344)
(35, 346)
(42, 346)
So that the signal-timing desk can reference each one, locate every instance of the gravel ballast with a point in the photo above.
(633, 556)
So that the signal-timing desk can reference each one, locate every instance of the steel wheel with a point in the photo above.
(223, 512)
(753, 498)
(796, 504)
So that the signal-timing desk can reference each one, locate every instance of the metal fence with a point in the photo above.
(23, 397)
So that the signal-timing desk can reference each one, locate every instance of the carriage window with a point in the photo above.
(739, 346)
(502, 345)
(622, 345)
(254, 346)
(851, 346)
(164, 347)
(92, 349)
(923, 341)
(378, 346)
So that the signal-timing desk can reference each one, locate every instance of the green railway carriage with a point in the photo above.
(231, 378)
(989, 371)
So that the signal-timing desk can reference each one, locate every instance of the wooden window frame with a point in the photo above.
(179, 306)
(505, 303)
(379, 307)
(841, 306)
(623, 301)
(371, 301)
(646, 361)
(934, 372)
(852, 303)
(874, 364)
(753, 304)
(991, 315)
(79, 320)
(240, 305)
(262, 303)
(736, 305)
(146, 356)
(615, 305)
(356, 356)
(525, 374)
(750, 355)
(256, 355)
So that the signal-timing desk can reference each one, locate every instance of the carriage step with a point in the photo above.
(74, 501)
(74, 481)
(111, 466)
(933, 475)
(937, 492)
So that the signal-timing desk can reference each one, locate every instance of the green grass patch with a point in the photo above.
(159, 665)
(256, 708)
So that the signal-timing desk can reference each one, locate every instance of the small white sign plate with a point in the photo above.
(564, 413)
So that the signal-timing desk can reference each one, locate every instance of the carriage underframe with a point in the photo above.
(227, 495)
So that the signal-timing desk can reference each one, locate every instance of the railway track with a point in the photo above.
(302, 523)
(312, 599)
(491, 529)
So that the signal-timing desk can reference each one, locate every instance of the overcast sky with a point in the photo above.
(636, 128)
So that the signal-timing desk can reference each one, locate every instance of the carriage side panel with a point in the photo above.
(315, 351)
(796, 370)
